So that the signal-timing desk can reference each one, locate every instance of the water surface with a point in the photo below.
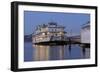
(45, 52)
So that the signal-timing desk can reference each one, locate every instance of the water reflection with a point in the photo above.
(41, 52)
(72, 51)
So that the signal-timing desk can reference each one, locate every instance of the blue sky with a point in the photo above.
(72, 21)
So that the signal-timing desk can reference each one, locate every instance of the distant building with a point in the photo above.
(48, 32)
(85, 33)
(75, 38)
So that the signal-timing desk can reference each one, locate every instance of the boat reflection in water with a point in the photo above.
(69, 49)
(62, 52)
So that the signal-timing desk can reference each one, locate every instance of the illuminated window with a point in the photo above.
(43, 33)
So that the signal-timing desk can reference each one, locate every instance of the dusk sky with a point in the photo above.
(72, 21)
